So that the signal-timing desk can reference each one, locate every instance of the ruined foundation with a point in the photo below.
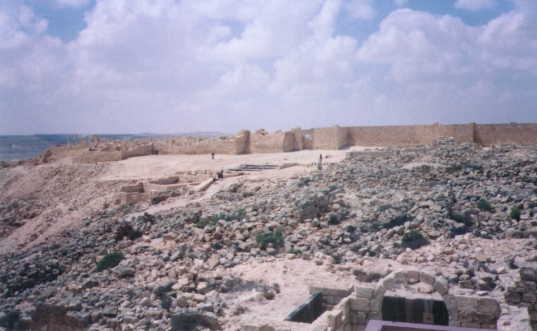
(351, 309)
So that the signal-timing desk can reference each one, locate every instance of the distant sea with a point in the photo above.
(14, 148)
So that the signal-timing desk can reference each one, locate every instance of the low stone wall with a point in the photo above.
(135, 151)
(94, 157)
(522, 292)
(351, 309)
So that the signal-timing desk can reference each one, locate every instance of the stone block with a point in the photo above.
(528, 274)
(361, 304)
(361, 318)
(427, 278)
(364, 292)
(529, 297)
(466, 305)
(412, 277)
(374, 315)
(441, 285)
(488, 306)
(390, 282)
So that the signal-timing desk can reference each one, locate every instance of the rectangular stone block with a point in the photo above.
(488, 306)
(361, 304)
(412, 277)
(529, 297)
(441, 285)
(364, 292)
(427, 278)
(466, 305)
(361, 318)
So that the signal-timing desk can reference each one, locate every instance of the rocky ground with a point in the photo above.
(466, 211)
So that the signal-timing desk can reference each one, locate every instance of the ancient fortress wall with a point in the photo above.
(335, 137)
(261, 142)
(408, 135)
(187, 145)
(514, 133)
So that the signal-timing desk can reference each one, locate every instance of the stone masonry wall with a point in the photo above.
(262, 142)
(135, 151)
(408, 135)
(330, 138)
(522, 134)
(325, 138)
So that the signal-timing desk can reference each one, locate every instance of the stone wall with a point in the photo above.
(324, 138)
(522, 291)
(97, 156)
(190, 145)
(520, 134)
(408, 135)
(365, 303)
(135, 151)
(263, 142)
(331, 138)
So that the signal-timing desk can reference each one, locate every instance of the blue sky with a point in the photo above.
(170, 66)
(66, 22)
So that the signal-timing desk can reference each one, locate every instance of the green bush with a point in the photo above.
(238, 214)
(413, 239)
(484, 205)
(515, 213)
(109, 261)
(465, 218)
(275, 238)
(397, 221)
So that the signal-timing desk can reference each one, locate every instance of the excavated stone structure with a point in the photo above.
(350, 309)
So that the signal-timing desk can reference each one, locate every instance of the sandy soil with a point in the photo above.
(70, 192)
(156, 166)
(294, 278)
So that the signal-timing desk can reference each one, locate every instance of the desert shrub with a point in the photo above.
(303, 181)
(109, 261)
(464, 218)
(333, 219)
(10, 320)
(295, 251)
(275, 238)
(515, 213)
(126, 230)
(414, 239)
(202, 223)
(236, 215)
(385, 207)
(484, 205)
(396, 221)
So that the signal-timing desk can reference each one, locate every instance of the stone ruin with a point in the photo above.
(411, 296)
(333, 138)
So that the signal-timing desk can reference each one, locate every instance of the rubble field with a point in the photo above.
(251, 247)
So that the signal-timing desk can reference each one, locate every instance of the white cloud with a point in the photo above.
(362, 9)
(475, 4)
(171, 66)
(400, 3)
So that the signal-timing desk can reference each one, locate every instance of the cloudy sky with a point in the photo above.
(169, 66)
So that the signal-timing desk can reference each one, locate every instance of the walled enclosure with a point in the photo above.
(331, 138)
(351, 309)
